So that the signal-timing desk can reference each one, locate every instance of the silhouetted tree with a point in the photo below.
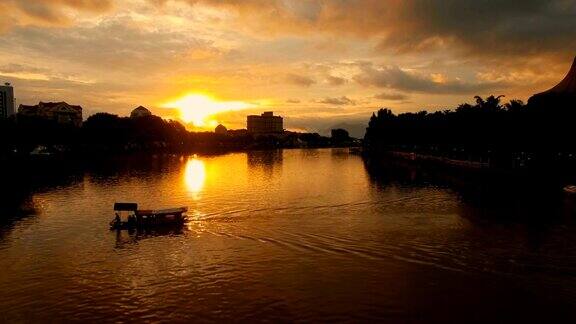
(486, 130)
(339, 136)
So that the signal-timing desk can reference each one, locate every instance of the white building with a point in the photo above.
(6, 100)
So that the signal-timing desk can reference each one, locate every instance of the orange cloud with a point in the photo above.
(46, 12)
(307, 57)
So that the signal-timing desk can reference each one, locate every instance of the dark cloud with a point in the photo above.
(19, 68)
(393, 77)
(486, 27)
(482, 27)
(300, 80)
(340, 101)
(335, 81)
(394, 96)
(46, 12)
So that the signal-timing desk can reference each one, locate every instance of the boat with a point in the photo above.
(128, 216)
(571, 189)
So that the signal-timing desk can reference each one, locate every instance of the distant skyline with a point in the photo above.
(318, 63)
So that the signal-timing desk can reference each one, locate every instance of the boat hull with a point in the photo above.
(151, 218)
(145, 225)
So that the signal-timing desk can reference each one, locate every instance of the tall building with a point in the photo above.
(59, 112)
(266, 123)
(6, 100)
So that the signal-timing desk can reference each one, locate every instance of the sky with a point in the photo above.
(318, 63)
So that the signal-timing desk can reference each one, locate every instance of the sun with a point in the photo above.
(199, 109)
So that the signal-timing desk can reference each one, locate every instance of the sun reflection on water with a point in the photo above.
(195, 176)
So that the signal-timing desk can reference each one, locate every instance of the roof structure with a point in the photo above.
(50, 105)
(561, 95)
(141, 111)
(568, 84)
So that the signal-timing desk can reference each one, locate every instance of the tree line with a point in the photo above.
(104, 132)
(485, 129)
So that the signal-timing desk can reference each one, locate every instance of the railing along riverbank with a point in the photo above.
(411, 156)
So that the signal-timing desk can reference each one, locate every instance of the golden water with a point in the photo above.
(293, 235)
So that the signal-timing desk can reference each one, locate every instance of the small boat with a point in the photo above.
(571, 189)
(128, 216)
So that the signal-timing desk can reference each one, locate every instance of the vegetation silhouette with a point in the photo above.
(513, 134)
(108, 133)
(488, 130)
(340, 136)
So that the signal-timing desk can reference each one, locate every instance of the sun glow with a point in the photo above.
(199, 109)
(194, 175)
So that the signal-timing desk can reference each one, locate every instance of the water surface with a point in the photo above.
(282, 236)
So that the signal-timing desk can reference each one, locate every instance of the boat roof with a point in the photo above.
(125, 206)
(171, 210)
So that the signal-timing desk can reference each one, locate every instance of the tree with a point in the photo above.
(339, 136)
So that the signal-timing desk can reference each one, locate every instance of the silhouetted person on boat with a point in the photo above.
(132, 220)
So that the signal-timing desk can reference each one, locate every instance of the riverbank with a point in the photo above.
(439, 160)
(473, 180)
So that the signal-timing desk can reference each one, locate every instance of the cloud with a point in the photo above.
(116, 54)
(300, 80)
(112, 42)
(393, 77)
(485, 27)
(19, 68)
(340, 101)
(481, 27)
(21, 71)
(527, 27)
(47, 12)
(394, 96)
(335, 81)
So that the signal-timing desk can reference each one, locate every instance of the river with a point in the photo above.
(281, 236)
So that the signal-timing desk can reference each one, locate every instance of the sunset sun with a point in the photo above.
(199, 109)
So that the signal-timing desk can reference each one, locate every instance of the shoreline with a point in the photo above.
(107, 155)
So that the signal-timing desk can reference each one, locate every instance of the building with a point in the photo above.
(59, 112)
(220, 129)
(561, 95)
(6, 100)
(567, 85)
(140, 112)
(266, 123)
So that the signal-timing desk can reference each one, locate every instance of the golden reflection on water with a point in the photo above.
(258, 220)
(195, 176)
